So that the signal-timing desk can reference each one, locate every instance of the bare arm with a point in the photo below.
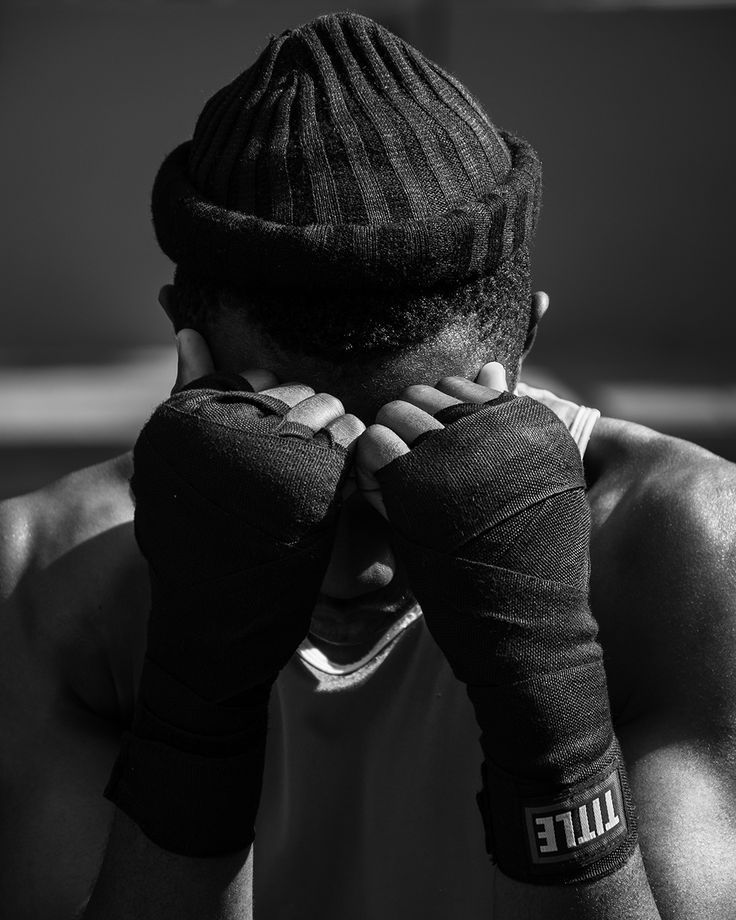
(189, 772)
(679, 742)
(685, 799)
(625, 895)
(140, 880)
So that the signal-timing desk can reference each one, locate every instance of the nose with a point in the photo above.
(362, 559)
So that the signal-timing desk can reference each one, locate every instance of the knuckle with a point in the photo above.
(292, 393)
(260, 379)
(330, 402)
(355, 423)
(347, 423)
(416, 391)
(447, 381)
(370, 445)
(372, 434)
(270, 379)
(390, 410)
(346, 429)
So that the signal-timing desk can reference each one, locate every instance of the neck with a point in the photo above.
(345, 636)
(608, 441)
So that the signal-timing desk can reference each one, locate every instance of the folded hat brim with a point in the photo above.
(467, 241)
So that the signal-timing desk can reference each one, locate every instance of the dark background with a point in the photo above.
(630, 109)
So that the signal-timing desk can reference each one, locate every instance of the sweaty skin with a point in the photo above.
(74, 595)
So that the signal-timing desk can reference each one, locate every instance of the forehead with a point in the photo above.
(363, 382)
(365, 387)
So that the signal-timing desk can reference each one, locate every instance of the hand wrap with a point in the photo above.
(491, 520)
(235, 509)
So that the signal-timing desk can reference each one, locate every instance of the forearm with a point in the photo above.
(138, 880)
(624, 895)
(230, 602)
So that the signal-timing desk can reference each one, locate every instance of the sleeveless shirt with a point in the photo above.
(368, 808)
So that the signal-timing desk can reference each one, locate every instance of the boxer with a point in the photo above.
(355, 630)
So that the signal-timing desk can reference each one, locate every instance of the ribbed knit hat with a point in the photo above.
(343, 159)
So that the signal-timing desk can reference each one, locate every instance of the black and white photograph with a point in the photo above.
(367, 460)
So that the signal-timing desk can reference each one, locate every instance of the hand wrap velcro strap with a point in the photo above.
(577, 833)
(236, 509)
(491, 521)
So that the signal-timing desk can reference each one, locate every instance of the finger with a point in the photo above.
(316, 411)
(523, 389)
(540, 301)
(493, 376)
(290, 393)
(260, 378)
(165, 298)
(428, 398)
(346, 430)
(407, 420)
(193, 358)
(466, 390)
(377, 447)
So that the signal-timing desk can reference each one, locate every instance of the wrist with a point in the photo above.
(560, 834)
(187, 803)
(555, 802)
(189, 772)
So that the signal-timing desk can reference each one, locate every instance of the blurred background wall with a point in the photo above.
(630, 107)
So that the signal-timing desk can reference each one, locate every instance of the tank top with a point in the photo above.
(368, 808)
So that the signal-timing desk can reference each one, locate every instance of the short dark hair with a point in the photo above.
(340, 328)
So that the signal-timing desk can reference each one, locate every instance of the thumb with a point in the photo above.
(193, 358)
(376, 447)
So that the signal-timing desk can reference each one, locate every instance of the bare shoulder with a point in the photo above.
(662, 480)
(71, 612)
(69, 576)
(42, 527)
(664, 590)
(664, 572)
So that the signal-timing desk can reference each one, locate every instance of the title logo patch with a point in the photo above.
(590, 820)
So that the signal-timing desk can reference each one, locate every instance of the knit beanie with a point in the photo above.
(344, 160)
